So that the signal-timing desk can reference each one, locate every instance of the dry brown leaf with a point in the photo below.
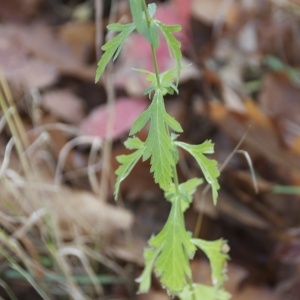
(80, 36)
(212, 11)
(236, 276)
(43, 43)
(88, 213)
(256, 114)
(129, 250)
(237, 210)
(64, 105)
(38, 74)
(18, 68)
(153, 295)
(279, 100)
(262, 141)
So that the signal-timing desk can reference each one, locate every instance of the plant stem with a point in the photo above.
(154, 58)
(175, 175)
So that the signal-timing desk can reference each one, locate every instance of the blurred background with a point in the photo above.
(62, 235)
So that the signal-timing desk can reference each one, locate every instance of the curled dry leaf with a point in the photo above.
(64, 105)
(88, 213)
(215, 11)
(124, 112)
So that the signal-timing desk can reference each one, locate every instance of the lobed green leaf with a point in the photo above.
(172, 123)
(173, 44)
(186, 191)
(113, 47)
(208, 166)
(141, 121)
(158, 144)
(203, 292)
(137, 12)
(127, 162)
(216, 251)
(170, 252)
(144, 280)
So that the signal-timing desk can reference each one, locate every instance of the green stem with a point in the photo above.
(154, 57)
(175, 176)
(176, 182)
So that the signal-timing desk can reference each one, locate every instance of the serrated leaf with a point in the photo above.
(216, 251)
(173, 249)
(133, 143)
(113, 47)
(173, 44)
(168, 76)
(141, 121)
(186, 191)
(127, 162)
(203, 292)
(158, 144)
(116, 27)
(145, 279)
(208, 166)
(172, 123)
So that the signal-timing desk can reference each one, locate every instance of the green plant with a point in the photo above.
(170, 251)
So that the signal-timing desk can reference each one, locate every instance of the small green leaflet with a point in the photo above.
(144, 26)
(216, 251)
(173, 44)
(186, 191)
(152, 9)
(158, 144)
(136, 8)
(127, 162)
(113, 47)
(144, 280)
(169, 254)
(165, 84)
(203, 292)
(208, 166)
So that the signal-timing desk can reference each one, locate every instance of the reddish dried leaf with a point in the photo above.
(280, 100)
(124, 113)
